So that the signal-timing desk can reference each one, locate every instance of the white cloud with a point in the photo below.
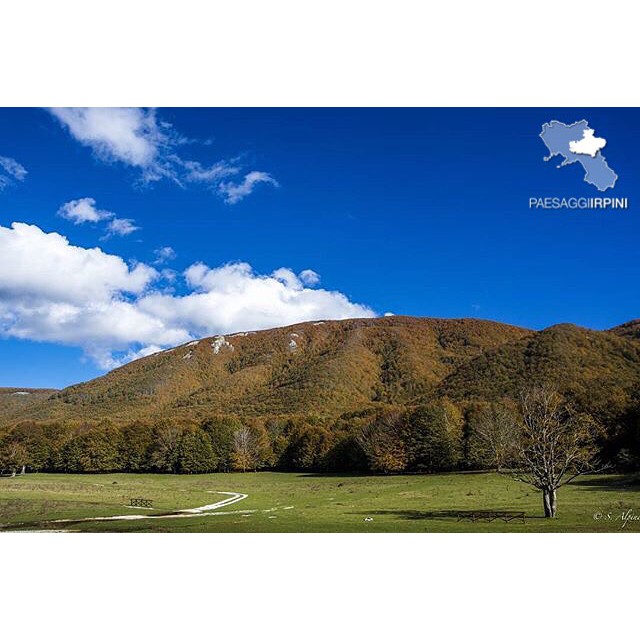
(132, 136)
(234, 298)
(164, 254)
(12, 171)
(286, 276)
(36, 264)
(170, 275)
(196, 172)
(137, 138)
(121, 227)
(83, 210)
(53, 291)
(309, 277)
(588, 145)
(234, 192)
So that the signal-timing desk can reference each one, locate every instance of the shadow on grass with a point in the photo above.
(336, 474)
(370, 474)
(445, 515)
(609, 483)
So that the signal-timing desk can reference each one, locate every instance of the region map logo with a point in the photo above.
(577, 143)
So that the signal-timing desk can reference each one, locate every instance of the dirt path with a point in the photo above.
(206, 510)
(235, 497)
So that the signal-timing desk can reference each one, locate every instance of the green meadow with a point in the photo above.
(295, 502)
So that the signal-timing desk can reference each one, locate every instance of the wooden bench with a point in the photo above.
(490, 516)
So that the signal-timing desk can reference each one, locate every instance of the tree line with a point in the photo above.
(431, 437)
(385, 440)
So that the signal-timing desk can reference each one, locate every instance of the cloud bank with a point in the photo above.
(53, 291)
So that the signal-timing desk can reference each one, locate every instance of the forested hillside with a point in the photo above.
(316, 367)
(387, 395)
(15, 400)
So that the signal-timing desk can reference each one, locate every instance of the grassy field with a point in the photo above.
(290, 502)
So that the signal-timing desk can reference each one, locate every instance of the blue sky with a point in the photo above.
(412, 211)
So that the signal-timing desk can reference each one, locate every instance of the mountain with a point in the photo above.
(600, 370)
(14, 400)
(333, 367)
(629, 329)
(315, 367)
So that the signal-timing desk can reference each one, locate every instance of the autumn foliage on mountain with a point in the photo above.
(385, 394)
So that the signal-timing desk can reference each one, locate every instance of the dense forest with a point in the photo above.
(431, 437)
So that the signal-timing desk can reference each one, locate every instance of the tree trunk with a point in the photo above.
(553, 503)
(549, 500)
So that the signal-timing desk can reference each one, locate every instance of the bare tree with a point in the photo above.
(495, 436)
(245, 449)
(555, 445)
